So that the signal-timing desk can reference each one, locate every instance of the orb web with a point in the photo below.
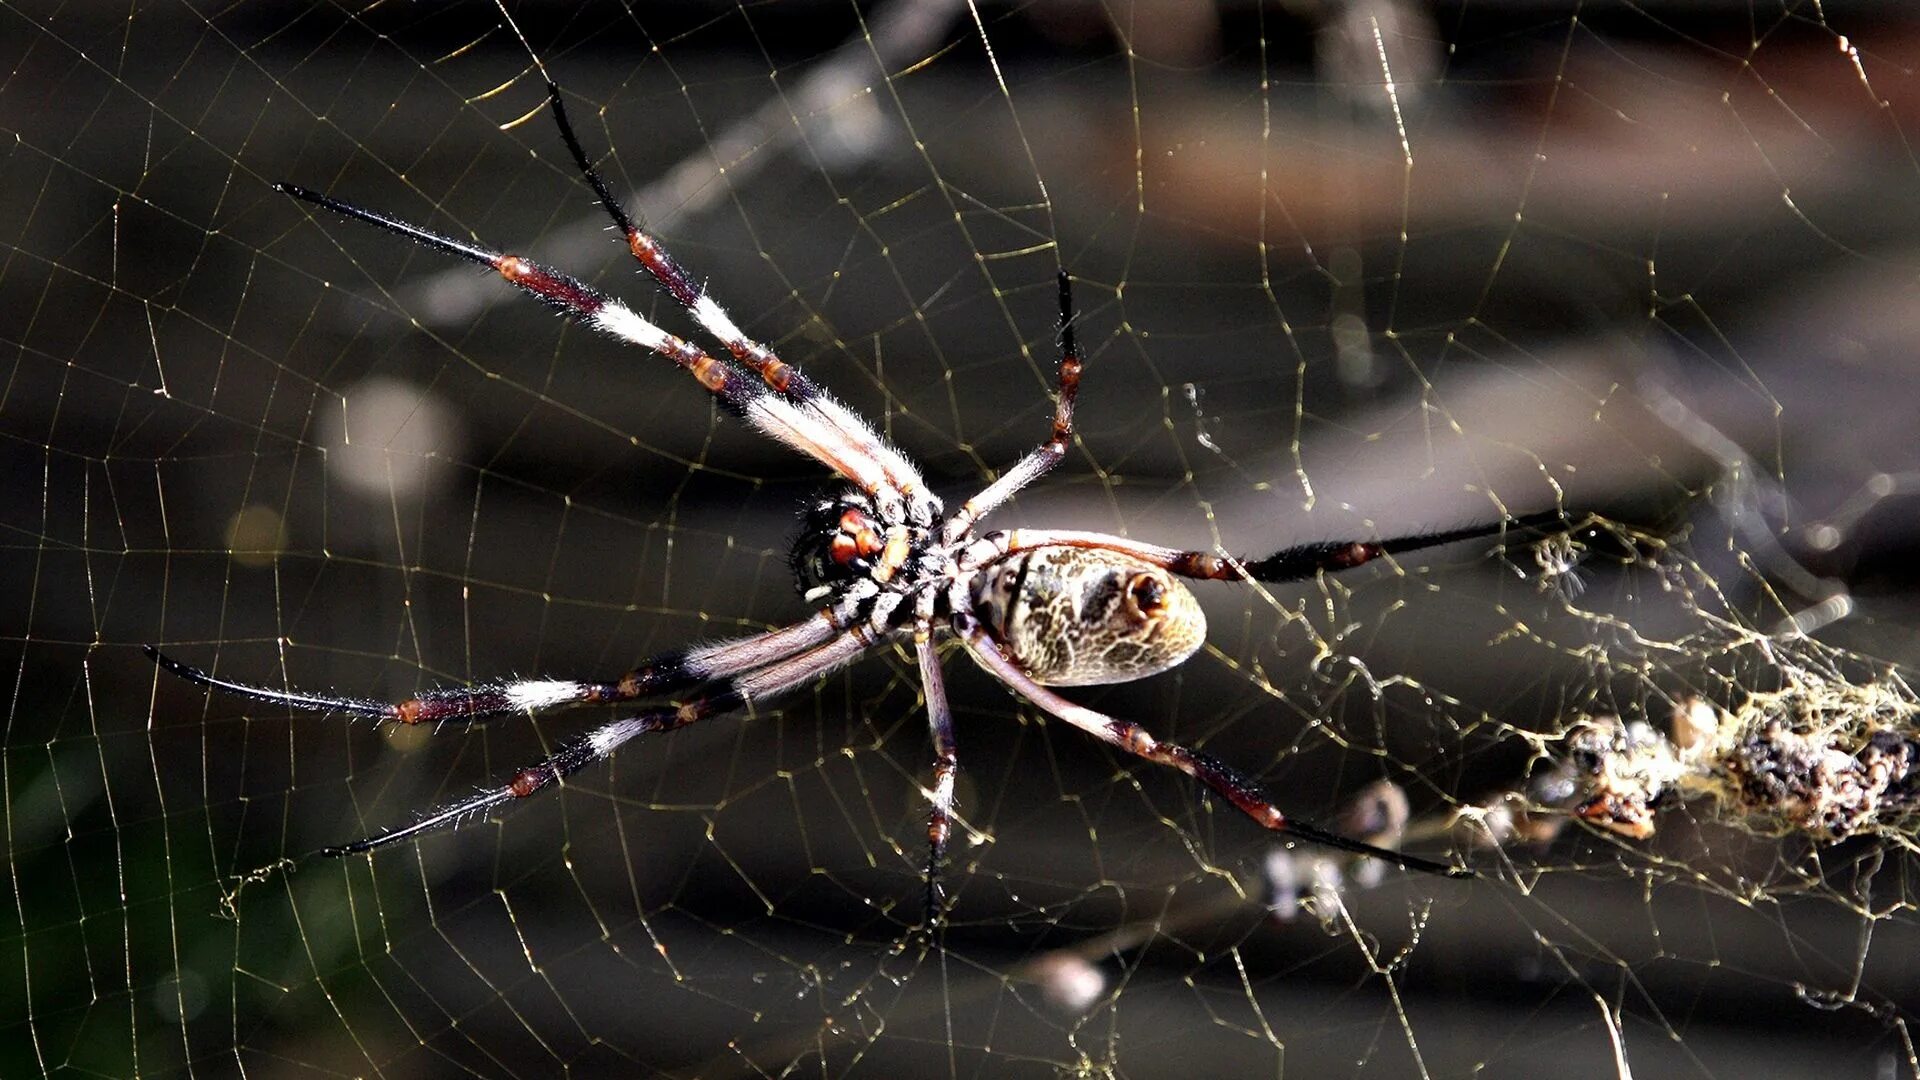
(1365, 270)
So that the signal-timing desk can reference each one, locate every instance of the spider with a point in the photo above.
(883, 562)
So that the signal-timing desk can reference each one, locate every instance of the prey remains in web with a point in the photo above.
(1824, 757)
(882, 561)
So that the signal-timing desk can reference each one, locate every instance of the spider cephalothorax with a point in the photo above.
(882, 563)
(843, 539)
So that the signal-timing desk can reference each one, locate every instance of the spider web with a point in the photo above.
(1343, 270)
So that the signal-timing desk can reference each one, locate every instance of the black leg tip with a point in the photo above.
(1068, 344)
(299, 192)
(169, 664)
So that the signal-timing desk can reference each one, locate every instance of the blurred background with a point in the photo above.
(1346, 268)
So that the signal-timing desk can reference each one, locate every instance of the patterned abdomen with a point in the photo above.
(1081, 616)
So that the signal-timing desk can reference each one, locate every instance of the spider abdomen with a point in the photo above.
(1073, 616)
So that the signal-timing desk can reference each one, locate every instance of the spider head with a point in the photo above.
(842, 539)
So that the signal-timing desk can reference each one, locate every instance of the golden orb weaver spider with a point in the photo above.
(884, 562)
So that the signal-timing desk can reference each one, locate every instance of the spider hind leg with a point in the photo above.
(656, 675)
(662, 673)
(572, 756)
(1228, 782)
(762, 676)
(946, 765)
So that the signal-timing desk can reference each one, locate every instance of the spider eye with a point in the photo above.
(1149, 594)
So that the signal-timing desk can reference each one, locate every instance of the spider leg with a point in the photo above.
(1288, 564)
(789, 382)
(292, 699)
(655, 675)
(804, 430)
(572, 756)
(946, 762)
(583, 750)
(1042, 459)
(661, 674)
(1234, 786)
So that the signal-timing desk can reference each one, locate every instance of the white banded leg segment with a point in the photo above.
(572, 756)
(535, 694)
(623, 322)
(659, 674)
(922, 507)
(799, 425)
(654, 676)
(809, 432)
(784, 671)
(856, 451)
(898, 473)
(806, 429)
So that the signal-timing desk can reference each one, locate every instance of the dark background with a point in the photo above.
(1652, 262)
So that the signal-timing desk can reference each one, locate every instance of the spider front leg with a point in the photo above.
(882, 471)
(1237, 788)
(814, 426)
